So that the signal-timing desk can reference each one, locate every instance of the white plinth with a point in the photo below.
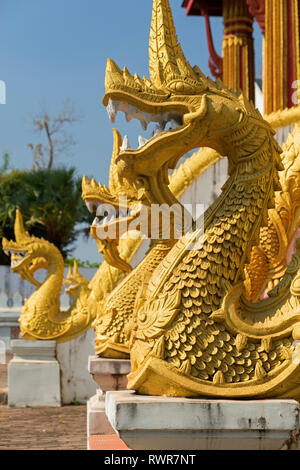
(109, 374)
(33, 375)
(76, 381)
(8, 321)
(148, 422)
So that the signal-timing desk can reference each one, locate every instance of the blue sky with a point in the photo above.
(53, 50)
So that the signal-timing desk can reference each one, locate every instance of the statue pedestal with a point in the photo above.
(33, 374)
(9, 326)
(109, 374)
(165, 423)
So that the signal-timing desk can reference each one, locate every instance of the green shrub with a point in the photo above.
(51, 205)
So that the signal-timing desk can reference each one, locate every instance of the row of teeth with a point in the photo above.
(110, 218)
(112, 215)
(131, 112)
(72, 286)
(126, 144)
(15, 262)
(21, 254)
(91, 205)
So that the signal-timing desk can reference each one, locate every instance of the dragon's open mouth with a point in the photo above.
(109, 214)
(170, 122)
(167, 121)
(17, 257)
(70, 288)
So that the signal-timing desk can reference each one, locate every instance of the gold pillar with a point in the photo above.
(238, 48)
(296, 20)
(281, 53)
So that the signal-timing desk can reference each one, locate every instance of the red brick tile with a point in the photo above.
(108, 442)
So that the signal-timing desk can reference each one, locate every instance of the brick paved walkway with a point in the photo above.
(40, 428)
(43, 428)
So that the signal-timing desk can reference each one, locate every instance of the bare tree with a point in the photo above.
(57, 141)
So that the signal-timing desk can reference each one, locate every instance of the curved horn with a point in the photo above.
(166, 58)
(70, 274)
(20, 232)
(114, 180)
(75, 268)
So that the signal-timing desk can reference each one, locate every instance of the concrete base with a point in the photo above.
(9, 326)
(109, 374)
(164, 423)
(77, 385)
(97, 423)
(33, 375)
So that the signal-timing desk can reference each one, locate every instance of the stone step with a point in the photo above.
(34, 375)
(166, 423)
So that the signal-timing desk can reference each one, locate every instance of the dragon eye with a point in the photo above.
(184, 88)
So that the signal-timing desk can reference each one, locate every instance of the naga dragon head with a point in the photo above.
(74, 281)
(116, 206)
(28, 253)
(188, 109)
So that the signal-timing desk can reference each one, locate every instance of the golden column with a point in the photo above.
(238, 48)
(281, 53)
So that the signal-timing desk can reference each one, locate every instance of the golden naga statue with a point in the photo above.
(211, 319)
(41, 317)
(113, 217)
(74, 281)
(115, 313)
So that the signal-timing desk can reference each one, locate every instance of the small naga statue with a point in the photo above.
(219, 315)
(41, 317)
